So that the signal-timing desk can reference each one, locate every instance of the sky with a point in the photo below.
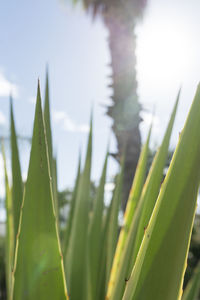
(36, 33)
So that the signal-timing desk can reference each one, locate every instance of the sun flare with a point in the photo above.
(164, 51)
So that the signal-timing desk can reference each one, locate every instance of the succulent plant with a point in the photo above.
(96, 258)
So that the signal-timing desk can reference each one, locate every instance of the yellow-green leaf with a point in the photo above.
(161, 261)
(134, 196)
(153, 183)
(148, 198)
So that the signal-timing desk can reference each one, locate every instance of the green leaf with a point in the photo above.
(38, 269)
(160, 265)
(17, 185)
(134, 196)
(103, 270)
(95, 231)
(47, 120)
(113, 226)
(192, 289)
(55, 184)
(9, 240)
(76, 262)
(153, 183)
(71, 212)
(146, 202)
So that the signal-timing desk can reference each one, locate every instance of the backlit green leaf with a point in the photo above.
(17, 185)
(76, 262)
(95, 230)
(147, 199)
(9, 240)
(161, 261)
(47, 120)
(38, 270)
(134, 196)
(113, 226)
(71, 212)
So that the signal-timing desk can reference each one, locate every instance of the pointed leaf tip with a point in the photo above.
(47, 70)
(38, 269)
(38, 98)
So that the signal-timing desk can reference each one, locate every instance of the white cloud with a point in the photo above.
(109, 186)
(67, 123)
(58, 115)
(7, 87)
(32, 100)
(84, 128)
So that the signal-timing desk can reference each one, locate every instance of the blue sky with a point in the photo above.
(39, 32)
(33, 33)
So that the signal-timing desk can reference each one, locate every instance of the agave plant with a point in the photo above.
(143, 259)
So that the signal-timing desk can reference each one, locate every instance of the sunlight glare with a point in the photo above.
(164, 52)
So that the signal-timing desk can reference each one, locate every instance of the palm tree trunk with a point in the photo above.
(125, 108)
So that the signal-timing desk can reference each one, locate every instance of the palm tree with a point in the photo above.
(120, 18)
